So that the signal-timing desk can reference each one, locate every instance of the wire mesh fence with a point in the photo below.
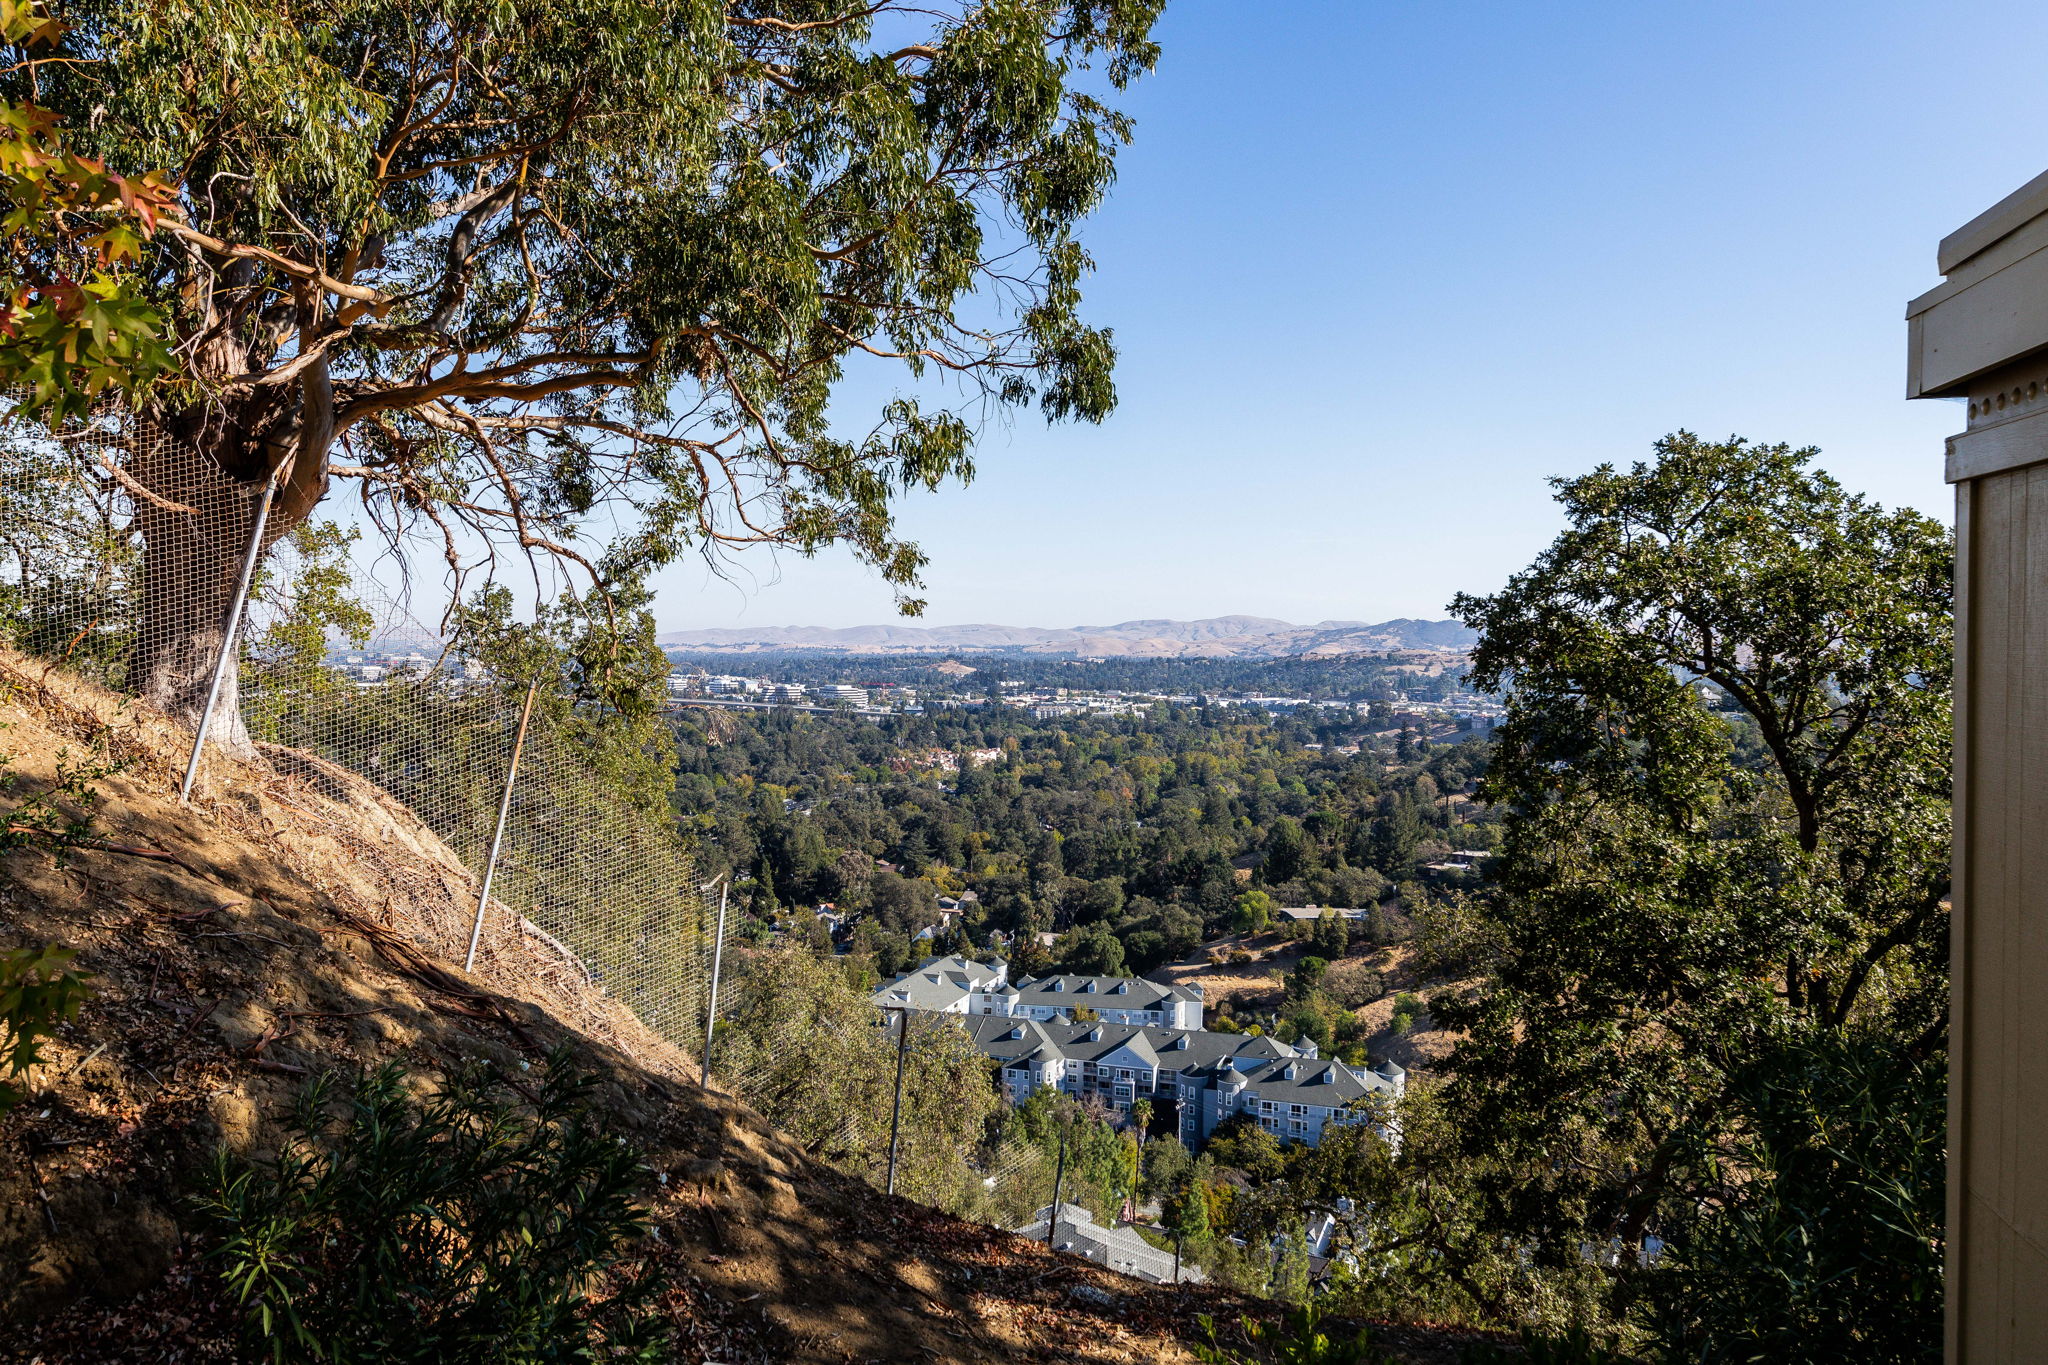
(126, 558)
(130, 561)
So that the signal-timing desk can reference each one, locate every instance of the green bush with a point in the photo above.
(1829, 1245)
(1300, 1338)
(58, 818)
(461, 1228)
(38, 991)
(1573, 1347)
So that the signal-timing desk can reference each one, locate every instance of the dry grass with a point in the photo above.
(1422, 1050)
(298, 919)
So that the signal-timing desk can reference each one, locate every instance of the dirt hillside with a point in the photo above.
(295, 918)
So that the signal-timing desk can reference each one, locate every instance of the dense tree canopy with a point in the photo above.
(520, 256)
(1134, 837)
(1724, 781)
(516, 270)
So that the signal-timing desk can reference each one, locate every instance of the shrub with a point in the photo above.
(1303, 1337)
(59, 817)
(461, 1228)
(1359, 986)
(1572, 1347)
(1829, 1244)
(38, 991)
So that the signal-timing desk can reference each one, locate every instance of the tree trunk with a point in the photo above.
(198, 486)
(195, 535)
(197, 476)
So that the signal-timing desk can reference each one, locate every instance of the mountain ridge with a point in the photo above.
(1216, 637)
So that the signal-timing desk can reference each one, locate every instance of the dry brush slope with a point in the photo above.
(296, 919)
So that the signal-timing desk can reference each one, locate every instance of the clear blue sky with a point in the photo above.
(1377, 270)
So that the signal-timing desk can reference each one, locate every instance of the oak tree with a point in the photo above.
(1725, 784)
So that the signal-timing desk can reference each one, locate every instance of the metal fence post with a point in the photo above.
(717, 961)
(896, 1110)
(230, 629)
(1059, 1176)
(483, 898)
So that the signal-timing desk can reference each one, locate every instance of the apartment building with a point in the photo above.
(958, 985)
(1204, 1078)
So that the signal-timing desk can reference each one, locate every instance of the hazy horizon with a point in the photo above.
(925, 623)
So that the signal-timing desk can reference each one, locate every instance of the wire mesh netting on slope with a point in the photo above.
(125, 558)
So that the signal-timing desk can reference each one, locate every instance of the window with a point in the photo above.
(1297, 1109)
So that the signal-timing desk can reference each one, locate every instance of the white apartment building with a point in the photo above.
(959, 985)
(1207, 1077)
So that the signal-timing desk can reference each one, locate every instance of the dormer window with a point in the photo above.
(1056, 986)
(1289, 1073)
(1123, 988)
(1088, 986)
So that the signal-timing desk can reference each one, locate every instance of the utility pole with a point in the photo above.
(1059, 1175)
(896, 1110)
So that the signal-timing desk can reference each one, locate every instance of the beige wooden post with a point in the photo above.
(1982, 336)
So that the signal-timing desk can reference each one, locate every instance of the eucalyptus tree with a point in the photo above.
(505, 269)
(1725, 784)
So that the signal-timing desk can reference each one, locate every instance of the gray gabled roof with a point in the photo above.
(1170, 1049)
(938, 984)
(1095, 992)
(977, 973)
(1119, 1248)
(1321, 1082)
(1017, 1040)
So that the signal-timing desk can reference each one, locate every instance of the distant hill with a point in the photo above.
(1218, 637)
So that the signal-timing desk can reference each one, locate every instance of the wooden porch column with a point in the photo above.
(1982, 336)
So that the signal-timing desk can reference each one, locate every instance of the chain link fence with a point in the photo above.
(131, 562)
(127, 559)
